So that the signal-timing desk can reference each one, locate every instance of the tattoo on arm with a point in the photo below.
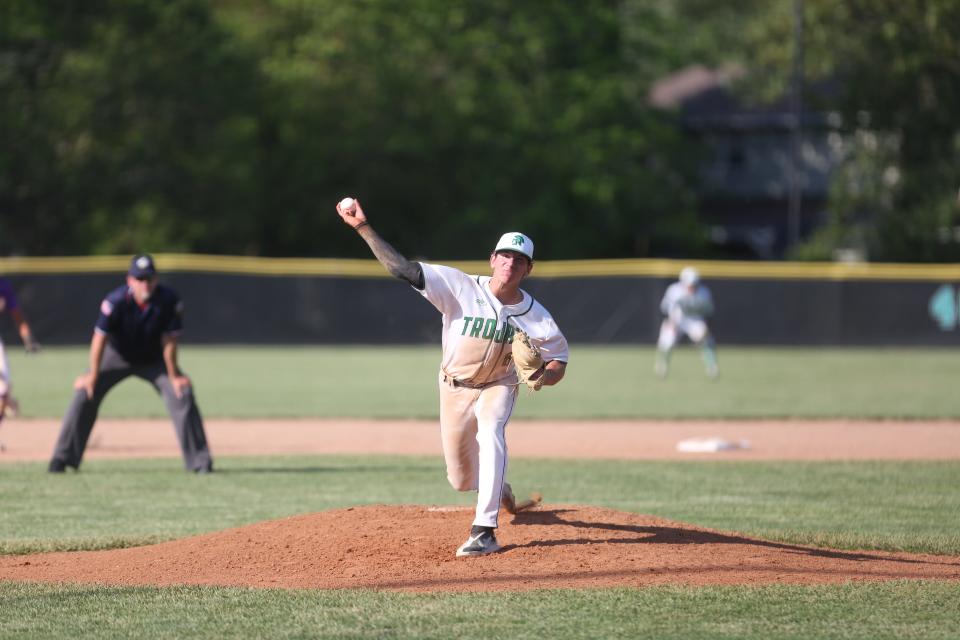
(390, 258)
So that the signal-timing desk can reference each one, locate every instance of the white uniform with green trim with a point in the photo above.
(478, 382)
(686, 306)
(686, 311)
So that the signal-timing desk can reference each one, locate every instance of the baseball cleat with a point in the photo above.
(507, 499)
(479, 545)
(59, 466)
(11, 409)
(510, 504)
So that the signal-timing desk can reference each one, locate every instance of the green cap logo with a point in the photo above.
(517, 242)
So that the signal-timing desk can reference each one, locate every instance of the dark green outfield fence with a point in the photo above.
(278, 301)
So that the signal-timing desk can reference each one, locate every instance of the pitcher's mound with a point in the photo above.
(412, 548)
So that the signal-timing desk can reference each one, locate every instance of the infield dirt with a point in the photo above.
(411, 548)
(614, 439)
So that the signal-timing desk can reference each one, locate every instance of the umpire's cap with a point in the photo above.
(141, 266)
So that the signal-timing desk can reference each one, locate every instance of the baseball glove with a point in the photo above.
(527, 360)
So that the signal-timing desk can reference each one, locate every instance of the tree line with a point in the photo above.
(231, 126)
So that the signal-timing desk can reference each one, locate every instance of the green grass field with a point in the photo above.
(896, 610)
(882, 505)
(909, 506)
(603, 382)
(887, 505)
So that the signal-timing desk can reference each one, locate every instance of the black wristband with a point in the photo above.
(359, 226)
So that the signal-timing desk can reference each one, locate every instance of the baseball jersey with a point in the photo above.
(478, 328)
(136, 332)
(679, 299)
(8, 299)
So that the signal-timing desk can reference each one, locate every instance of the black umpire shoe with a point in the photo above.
(58, 466)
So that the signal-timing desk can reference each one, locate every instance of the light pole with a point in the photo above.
(795, 204)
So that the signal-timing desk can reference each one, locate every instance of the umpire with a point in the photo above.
(136, 335)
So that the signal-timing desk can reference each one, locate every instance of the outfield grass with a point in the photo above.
(603, 382)
(896, 610)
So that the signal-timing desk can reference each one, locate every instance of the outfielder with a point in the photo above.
(8, 304)
(686, 305)
(478, 379)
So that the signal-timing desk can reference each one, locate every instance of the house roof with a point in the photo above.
(692, 83)
(706, 99)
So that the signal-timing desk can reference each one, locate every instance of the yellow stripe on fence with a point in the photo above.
(369, 268)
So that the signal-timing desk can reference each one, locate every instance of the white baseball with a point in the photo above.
(347, 204)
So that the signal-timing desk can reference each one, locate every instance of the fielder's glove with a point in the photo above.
(527, 360)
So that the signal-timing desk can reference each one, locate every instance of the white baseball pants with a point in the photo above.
(473, 434)
(671, 331)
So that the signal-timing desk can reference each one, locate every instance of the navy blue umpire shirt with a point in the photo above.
(136, 332)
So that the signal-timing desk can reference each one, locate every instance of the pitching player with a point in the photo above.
(136, 334)
(477, 380)
(8, 304)
(686, 306)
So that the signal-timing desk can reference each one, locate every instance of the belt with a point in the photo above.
(467, 385)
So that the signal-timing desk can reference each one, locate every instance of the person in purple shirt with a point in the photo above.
(9, 305)
(136, 334)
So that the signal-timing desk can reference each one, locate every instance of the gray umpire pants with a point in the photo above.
(82, 412)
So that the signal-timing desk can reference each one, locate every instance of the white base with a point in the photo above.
(711, 445)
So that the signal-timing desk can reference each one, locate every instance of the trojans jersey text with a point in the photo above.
(478, 328)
